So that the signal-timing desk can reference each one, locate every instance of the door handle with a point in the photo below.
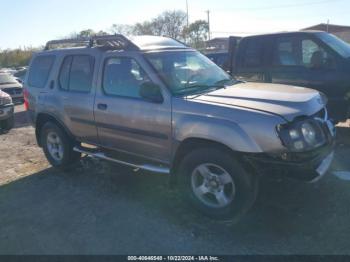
(102, 107)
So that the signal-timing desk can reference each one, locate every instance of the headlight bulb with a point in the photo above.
(309, 133)
(294, 134)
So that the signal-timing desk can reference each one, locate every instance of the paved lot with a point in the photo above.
(105, 209)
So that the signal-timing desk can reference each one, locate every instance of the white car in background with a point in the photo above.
(6, 112)
(11, 86)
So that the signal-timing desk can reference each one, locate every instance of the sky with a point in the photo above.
(25, 23)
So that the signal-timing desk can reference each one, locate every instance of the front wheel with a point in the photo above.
(58, 147)
(217, 184)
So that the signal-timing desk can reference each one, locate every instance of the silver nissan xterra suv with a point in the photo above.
(154, 104)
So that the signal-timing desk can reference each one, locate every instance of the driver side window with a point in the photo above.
(123, 76)
(314, 56)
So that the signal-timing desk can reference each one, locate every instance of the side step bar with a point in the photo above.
(146, 167)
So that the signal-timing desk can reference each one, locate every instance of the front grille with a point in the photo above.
(13, 91)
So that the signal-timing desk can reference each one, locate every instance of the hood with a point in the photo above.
(285, 101)
(13, 85)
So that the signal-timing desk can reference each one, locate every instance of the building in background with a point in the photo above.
(341, 31)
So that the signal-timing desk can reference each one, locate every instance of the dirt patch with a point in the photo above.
(20, 155)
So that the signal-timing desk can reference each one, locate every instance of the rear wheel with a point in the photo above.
(58, 146)
(217, 184)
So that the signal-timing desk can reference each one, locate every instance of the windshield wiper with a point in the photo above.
(227, 81)
(199, 89)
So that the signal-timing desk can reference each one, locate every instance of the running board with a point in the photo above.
(146, 167)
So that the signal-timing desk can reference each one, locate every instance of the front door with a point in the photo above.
(124, 120)
(303, 61)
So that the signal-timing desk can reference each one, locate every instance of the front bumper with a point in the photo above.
(6, 111)
(16, 94)
(309, 167)
(6, 117)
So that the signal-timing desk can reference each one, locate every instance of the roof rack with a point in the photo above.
(113, 42)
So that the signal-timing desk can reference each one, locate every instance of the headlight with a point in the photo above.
(6, 100)
(302, 135)
(309, 133)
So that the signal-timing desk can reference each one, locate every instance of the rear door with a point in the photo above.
(286, 66)
(251, 60)
(75, 94)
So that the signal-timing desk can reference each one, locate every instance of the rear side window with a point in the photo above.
(64, 74)
(253, 54)
(40, 70)
(286, 53)
(76, 73)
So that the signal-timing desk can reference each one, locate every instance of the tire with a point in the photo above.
(64, 157)
(232, 193)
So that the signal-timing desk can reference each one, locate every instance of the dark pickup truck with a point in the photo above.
(312, 59)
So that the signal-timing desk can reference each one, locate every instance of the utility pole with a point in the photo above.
(328, 26)
(188, 16)
(208, 13)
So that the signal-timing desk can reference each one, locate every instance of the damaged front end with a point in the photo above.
(309, 149)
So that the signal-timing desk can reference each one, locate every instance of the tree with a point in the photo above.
(158, 26)
(145, 28)
(86, 33)
(169, 23)
(16, 57)
(174, 23)
(101, 32)
(197, 33)
(123, 29)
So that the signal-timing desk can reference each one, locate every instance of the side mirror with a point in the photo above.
(151, 92)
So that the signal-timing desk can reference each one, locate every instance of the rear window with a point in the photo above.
(76, 73)
(40, 70)
(253, 54)
(286, 52)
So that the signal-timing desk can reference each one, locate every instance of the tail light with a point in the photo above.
(25, 96)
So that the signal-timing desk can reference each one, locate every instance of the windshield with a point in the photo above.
(338, 45)
(7, 79)
(188, 72)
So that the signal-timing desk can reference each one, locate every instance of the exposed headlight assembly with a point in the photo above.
(5, 100)
(303, 135)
